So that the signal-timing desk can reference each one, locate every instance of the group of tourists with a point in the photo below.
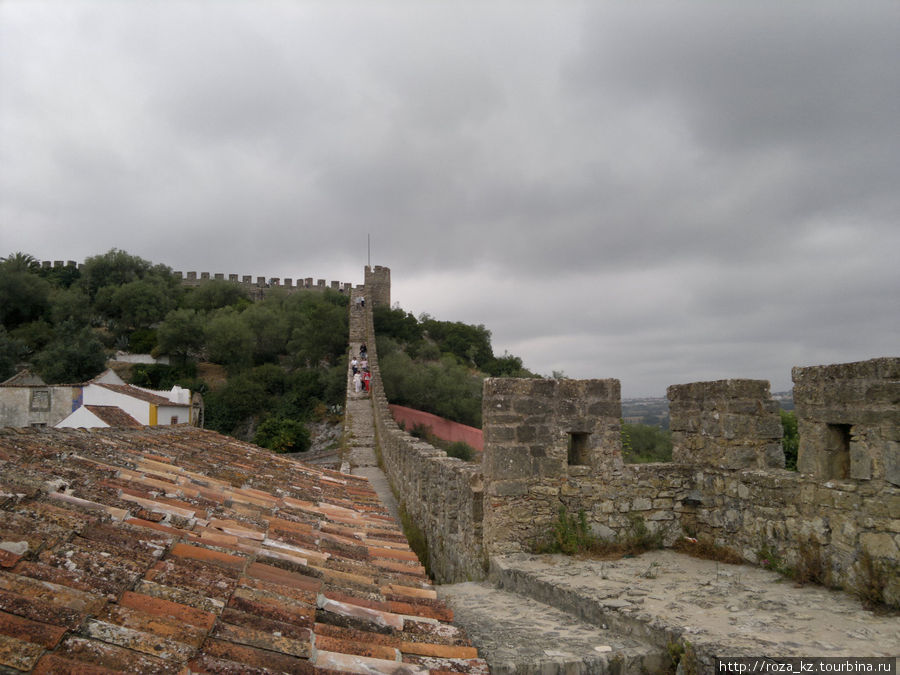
(362, 378)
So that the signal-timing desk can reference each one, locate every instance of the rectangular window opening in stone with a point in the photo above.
(578, 448)
(174, 419)
(838, 447)
(40, 399)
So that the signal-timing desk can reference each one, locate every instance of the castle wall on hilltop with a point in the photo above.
(258, 286)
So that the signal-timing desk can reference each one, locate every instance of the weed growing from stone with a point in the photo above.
(572, 536)
(708, 550)
(415, 536)
(771, 560)
(873, 581)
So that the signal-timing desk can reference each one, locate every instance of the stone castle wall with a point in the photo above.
(836, 520)
(256, 286)
(260, 285)
(442, 495)
(556, 444)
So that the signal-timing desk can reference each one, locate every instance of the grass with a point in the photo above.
(572, 536)
(415, 536)
(707, 550)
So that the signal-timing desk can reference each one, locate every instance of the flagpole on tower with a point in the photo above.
(369, 250)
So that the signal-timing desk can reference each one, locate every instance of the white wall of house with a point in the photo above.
(81, 418)
(96, 395)
(168, 412)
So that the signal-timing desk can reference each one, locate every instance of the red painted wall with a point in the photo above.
(440, 427)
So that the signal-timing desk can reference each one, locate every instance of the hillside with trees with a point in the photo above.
(264, 368)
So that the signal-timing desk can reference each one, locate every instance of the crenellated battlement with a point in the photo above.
(256, 284)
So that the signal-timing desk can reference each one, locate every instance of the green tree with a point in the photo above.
(445, 388)
(319, 328)
(241, 399)
(61, 277)
(76, 355)
(471, 344)
(181, 334)
(507, 366)
(228, 339)
(283, 435)
(11, 351)
(642, 443)
(115, 268)
(269, 326)
(136, 304)
(70, 304)
(397, 324)
(21, 262)
(24, 296)
(215, 294)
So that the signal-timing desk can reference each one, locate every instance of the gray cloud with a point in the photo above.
(661, 192)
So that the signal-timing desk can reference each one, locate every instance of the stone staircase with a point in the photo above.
(517, 634)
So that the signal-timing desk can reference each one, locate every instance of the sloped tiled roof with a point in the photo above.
(141, 394)
(175, 549)
(24, 378)
(113, 416)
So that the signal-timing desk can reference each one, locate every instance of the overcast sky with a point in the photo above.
(661, 192)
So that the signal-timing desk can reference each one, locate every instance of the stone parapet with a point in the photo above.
(539, 436)
(728, 424)
(442, 495)
(257, 287)
(848, 417)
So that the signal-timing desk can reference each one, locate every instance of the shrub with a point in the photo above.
(642, 443)
(283, 435)
(461, 450)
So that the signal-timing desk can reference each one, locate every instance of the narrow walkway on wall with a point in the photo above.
(359, 423)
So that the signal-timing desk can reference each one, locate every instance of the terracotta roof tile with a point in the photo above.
(53, 664)
(264, 639)
(19, 654)
(264, 659)
(166, 608)
(43, 634)
(114, 657)
(113, 416)
(134, 392)
(158, 624)
(168, 549)
(334, 644)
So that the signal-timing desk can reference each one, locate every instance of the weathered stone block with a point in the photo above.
(879, 545)
(508, 488)
(507, 462)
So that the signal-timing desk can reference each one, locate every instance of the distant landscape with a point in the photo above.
(654, 411)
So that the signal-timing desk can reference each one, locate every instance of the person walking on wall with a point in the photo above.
(367, 379)
(357, 382)
(354, 365)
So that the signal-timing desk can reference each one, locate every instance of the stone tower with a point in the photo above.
(378, 285)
